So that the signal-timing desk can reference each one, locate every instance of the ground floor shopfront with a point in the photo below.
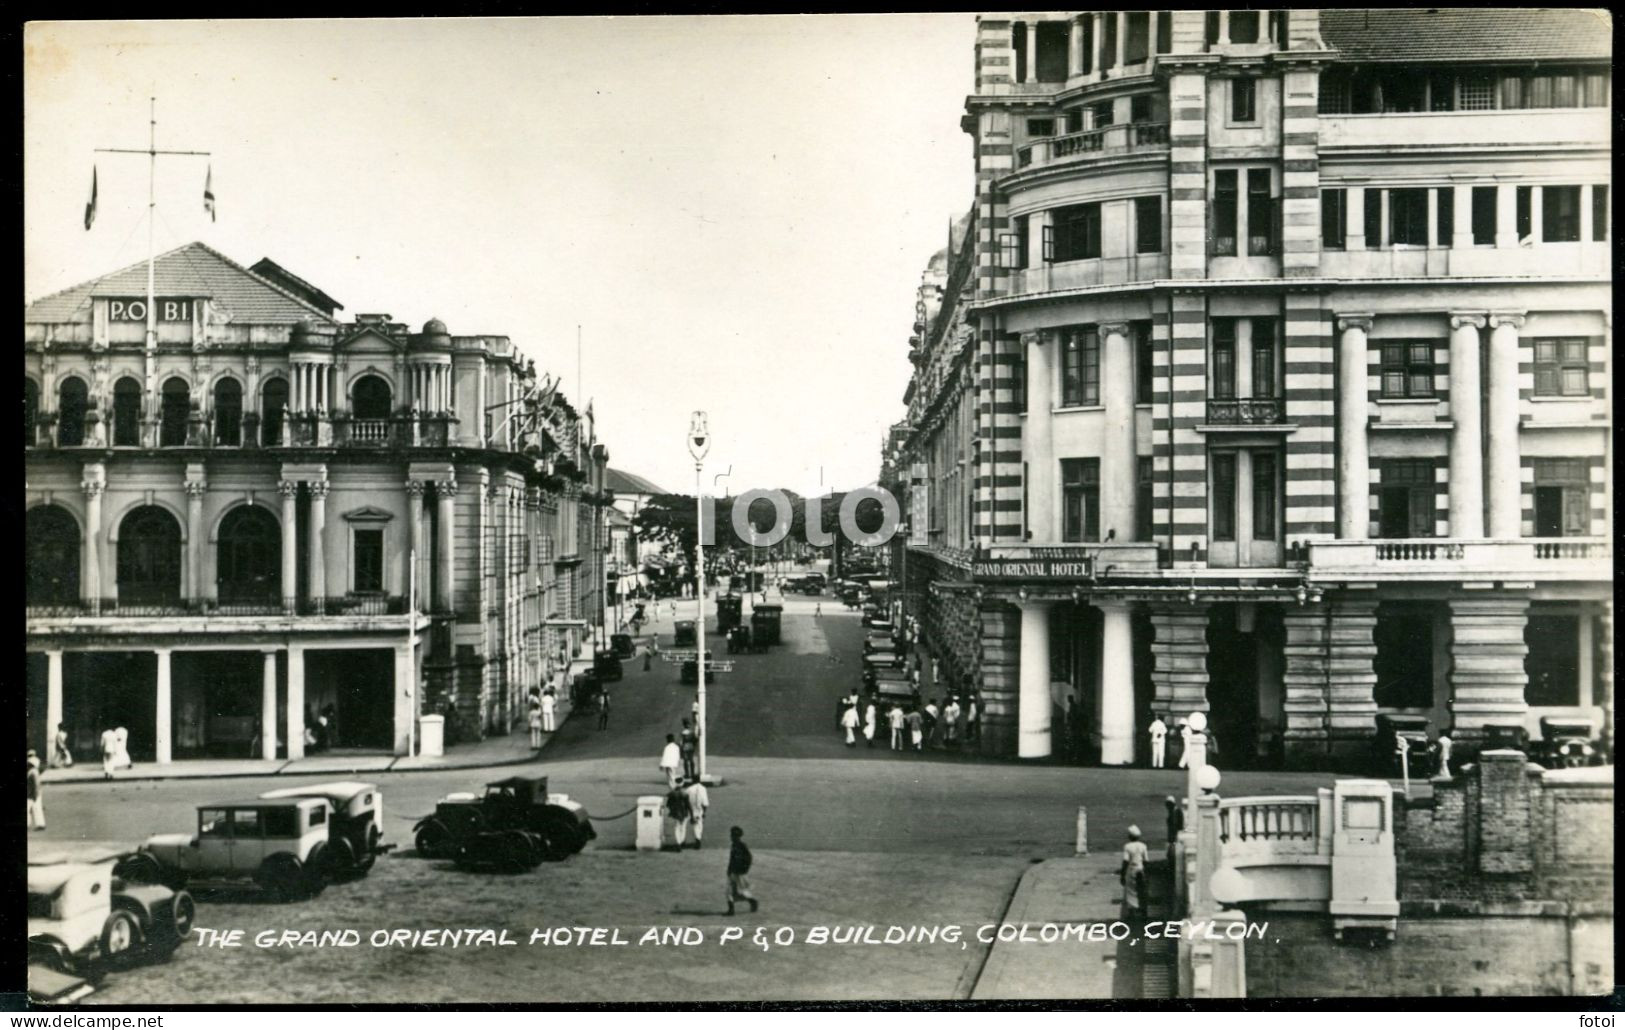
(1287, 676)
(225, 692)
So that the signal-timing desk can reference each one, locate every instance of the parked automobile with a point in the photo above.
(607, 667)
(764, 623)
(1385, 745)
(728, 612)
(355, 829)
(882, 625)
(516, 822)
(739, 641)
(1566, 743)
(684, 633)
(621, 645)
(880, 642)
(875, 661)
(890, 683)
(279, 844)
(82, 914)
(47, 986)
(871, 612)
(1507, 736)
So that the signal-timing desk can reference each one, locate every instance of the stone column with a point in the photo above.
(446, 496)
(405, 696)
(53, 702)
(1117, 471)
(1224, 27)
(1466, 442)
(268, 708)
(289, 489)
(1353, 454)
(1122, 40)
(1304, 685)
(1487, 651)
(1179, 660)
(90, 582)
(1097, 40)
(414, 543)
(1461, 199)
(1351, 678)
(162, 720)
(1033, 715)
(1074, 47)
(318, 550)
(1116, 685)
(296, 702)
(1032, 52)
(1042, 507)
(195, 533)
(1501, 426)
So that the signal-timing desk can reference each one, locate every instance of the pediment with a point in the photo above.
(370, 341)
(368, 514)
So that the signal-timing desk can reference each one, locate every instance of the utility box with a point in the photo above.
(651, 814)
(431, 736)
(1365, 883)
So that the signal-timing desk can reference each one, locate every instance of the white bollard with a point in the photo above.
(1083, 830)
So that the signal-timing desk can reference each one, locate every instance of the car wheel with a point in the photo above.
(561, 837)
(281, 876)
(139, 868)
(314, 872)
(518, 850)
(339, 863)
(370, 856)
(433, 839)
(121, 937)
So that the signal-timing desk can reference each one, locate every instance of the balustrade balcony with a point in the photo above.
(108, 607)
(1463, 560)
(1094, 144)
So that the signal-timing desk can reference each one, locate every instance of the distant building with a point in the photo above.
(222, 521)
(1274, 380)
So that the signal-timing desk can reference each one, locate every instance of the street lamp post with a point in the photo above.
(699, 442)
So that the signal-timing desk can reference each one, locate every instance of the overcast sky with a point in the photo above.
(736, 211)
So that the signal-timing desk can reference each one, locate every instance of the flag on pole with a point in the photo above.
(208, 192)
(90, 205)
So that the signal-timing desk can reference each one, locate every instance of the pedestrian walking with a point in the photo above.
(535, 727)
(36, 796)
(950, 721)
(973, 719)
(603, 708)
(550, 704)
(688, 745)
(1185, 744)
(818, 609)
(916, 735)
(671, 760)
(869, 723)
(849, 722)
(61, 757)
(739, 860)
(1159, 742)
(1132, 875)
(929, 721)
(109, 742)
(894, 719)
(1175, 817)
(699, 799)
(648, 657)
(677, 814)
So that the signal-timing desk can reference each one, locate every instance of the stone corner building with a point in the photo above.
(225, 497)
(1269, 375)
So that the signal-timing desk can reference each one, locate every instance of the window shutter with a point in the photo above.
(1049, 243)
(1576, 516)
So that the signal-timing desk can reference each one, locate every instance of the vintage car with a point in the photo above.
(355, 828)
(871, 612)
(47, 986)
(764, 623)
(517, 822)
(1566, 744)
(728, 612)
(1505, 736)
(82, 913)
(607, 667)
(1385, 745)
(684, 633)
(882, 625)
(877, 643)
(876, 661)
(890, 684)
(621, 645)
(279, 844)
(739, 641)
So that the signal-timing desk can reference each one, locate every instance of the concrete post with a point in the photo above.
(1466, 442)
(1501, 425)
(1083, 831)
(268, 708)
(1353, 458)
(290, 546)
(162, 719)
(405, 695)
(1117, 685)
(1033, 715)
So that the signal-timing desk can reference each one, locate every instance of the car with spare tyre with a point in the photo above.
(278, 844)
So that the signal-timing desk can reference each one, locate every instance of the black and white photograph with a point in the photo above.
(869, 511)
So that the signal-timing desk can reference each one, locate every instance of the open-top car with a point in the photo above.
(81, 914)
(278, 844)
(1566, 743)
(515, 824)
(356, 828)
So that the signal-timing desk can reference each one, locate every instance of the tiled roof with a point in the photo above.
(1469, 34)
(626, 483)
(194, 270)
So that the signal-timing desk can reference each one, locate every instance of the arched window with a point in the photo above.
(149, 557)
(177, 404)
(273, 411)
(249, 557)
(228, 413)
(127, 413)
(370, 398)
(30, 410)
(72, 400)
(51, 556)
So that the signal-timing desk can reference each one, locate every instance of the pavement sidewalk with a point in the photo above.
(513, 749)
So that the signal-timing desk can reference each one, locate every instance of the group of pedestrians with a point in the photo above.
(910, 725)
(679, 760)
(544, 706)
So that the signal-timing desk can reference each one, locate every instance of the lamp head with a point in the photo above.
(1207, 778)
(699, 436)
(1197, 722)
